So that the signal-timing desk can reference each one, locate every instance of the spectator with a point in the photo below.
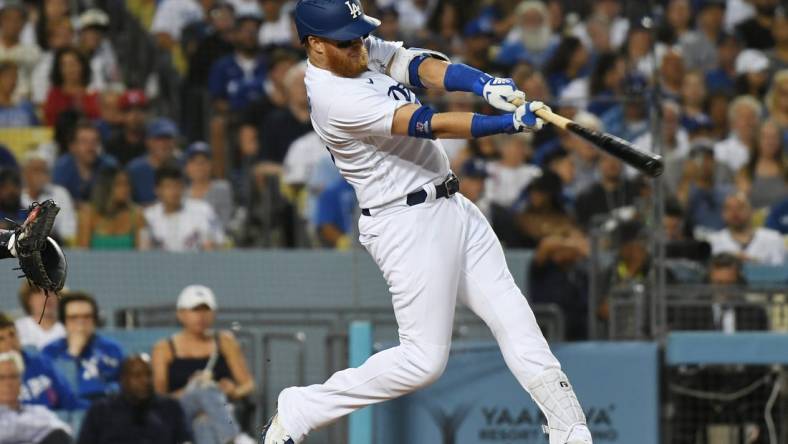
(176, 223)
(128, 141)
(335, 215)
(25, 423)
(136, 414)
(59, 35)
(671, 73)
(280, 128)
(111, 220)
(215, 192)
(679, 237)
(752, 73)
(478, 35)
(214, 46)
(42, 384)
(756, 32)
(778, 218)
(568, 62)
(160, 142)
(556, 276)
(545, 211)
(677, 25)
(722, 78)
(217, 44)
(93, 43)
(268, 214)
(728, 313)
(531, 39)
(76, 170)
(559, 162)
(704, 186)
(92, 359)
(509, 175)
(675, 143)
(638, 50)
(38, 187)
(606, 84)
(611, 191)
(236, 80)
(778, 56)
(765, 178)
(40, 325)
(744, 113)
(693, 98)
(71, 77)
(202, 368)
(473, 175)
(13, 112)
(761, 245)
(583, 154)
(777, 99)
(11, 199)
(172, 16)
(13, 16)
(700, 47)
(277, 28)
(302, 157)
(717, 105)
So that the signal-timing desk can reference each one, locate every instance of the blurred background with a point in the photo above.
(175, 136)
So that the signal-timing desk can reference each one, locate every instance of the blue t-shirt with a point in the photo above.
(44, 385)
(335, 206)
(230, 82)
(95, 373)
(778, 217)
(705, 206)
(20, 115)
(143, 180)
(66, 174)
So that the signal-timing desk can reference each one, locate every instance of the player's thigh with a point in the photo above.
(418, 251)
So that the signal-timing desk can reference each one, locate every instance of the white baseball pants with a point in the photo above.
(429, 254)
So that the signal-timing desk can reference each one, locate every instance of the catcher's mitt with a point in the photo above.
(40, 257)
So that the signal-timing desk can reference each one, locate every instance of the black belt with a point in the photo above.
(447, 188)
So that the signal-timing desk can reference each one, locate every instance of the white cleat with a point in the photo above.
(275, 433)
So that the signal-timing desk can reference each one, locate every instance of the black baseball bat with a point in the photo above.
(647, 163)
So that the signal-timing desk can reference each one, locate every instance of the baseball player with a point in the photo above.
(431, 243)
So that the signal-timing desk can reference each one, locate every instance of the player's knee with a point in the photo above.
(426, 364)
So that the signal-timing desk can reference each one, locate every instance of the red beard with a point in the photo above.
(345, 66)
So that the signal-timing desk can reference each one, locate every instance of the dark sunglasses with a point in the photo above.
(345, 44)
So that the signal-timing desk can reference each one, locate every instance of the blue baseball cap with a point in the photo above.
(198, 148)
(333, 19)
(162, 127)
(474, 167)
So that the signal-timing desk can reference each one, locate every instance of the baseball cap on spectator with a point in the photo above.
(162, 127)
(93, 18)
(132, 98)
(751, 60)
(477, 27)
(13, 4)
(249, 14)
(194, 296)
(696, 123)
(198, 148)
(474, 167)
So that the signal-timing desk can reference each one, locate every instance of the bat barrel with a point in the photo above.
(645, 162)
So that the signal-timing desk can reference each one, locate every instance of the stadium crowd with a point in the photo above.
(183, 125)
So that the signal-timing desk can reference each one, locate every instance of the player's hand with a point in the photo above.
(502, 94)
(525, 116)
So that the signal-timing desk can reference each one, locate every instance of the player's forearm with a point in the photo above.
(432, 72)
(423, 122)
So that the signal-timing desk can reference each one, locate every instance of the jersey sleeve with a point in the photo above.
(363, 113)
(380, 53)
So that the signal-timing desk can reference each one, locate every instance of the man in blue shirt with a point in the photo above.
(160, 142)
(236, 80)
(335, 208)
(76, 170)
(42, 384)
(89, 360)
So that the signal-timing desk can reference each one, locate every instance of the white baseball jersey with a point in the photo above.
(353, 117)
